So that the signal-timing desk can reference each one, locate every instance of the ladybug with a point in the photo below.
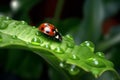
(50, 30)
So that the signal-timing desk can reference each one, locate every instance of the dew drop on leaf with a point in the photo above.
(14, 36)
(8, 18)
(37, 33)
(17, 23)
(28, 43)
(4, 18)
(23, 22)
(95, 62)
(58, 50)
(73, 56)
(33, 27)
(69, 37)
(70, 45)
(88, 44)
(52, 48)
(62, 64)
(100, 54)
(45, 45)
(73, 70)
(36, 41)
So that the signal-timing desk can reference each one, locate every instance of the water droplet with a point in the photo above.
(73, 56)
(52, 48)
(36, 41)
(95, 62)
(70, 45)
(73, 70)
(33, 27)
(45, 45)
(62, 64)
(69, 37)
(37, 33)
(3, 25)
(7, 18)
(58, 50)
(100, 54)
(0, 38)
(23, 22)
(88, 44)
(4, 18)
(28, 43)
(14, 36)
(17, 22)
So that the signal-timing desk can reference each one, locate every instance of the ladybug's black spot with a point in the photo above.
(53, 30)
(47, 31)
(42, 28)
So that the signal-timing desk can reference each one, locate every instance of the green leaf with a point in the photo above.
(90, 27)
(93, 18)
(65, 56)
(69, 25)
(106, 44)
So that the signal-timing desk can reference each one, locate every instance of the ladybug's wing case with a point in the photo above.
(50, 30)
(41, 28)
(47, 29)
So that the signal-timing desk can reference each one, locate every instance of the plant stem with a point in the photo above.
(107, 44)
(58, 9)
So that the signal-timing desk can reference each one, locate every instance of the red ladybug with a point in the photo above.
(50, 30)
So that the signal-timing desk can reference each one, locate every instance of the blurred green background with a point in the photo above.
(94, 20)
